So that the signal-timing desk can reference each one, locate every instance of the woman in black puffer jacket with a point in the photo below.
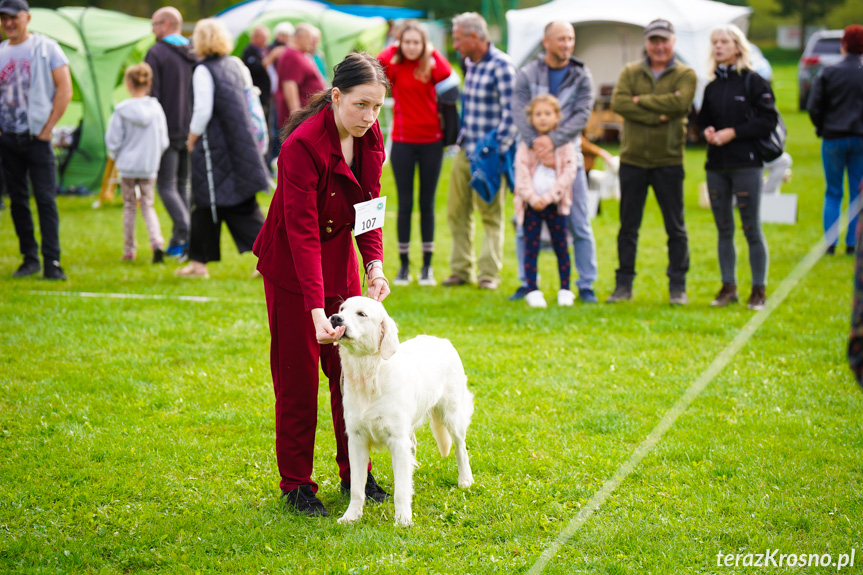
(738, 109)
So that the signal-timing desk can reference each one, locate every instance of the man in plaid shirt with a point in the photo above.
(489, 85)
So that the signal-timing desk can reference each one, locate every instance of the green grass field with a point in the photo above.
(136, 435)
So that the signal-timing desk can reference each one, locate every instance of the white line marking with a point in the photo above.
(718, 364)
(105, 295)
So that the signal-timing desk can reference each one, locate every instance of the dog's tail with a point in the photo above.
(441, 435)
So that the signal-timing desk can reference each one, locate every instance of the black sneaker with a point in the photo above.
(374, 492)
(427, 277)
(831, 250)
(520, 293)
(621, 293)
(158, 256)
(53, 271)
(403, 278)
(28, 268)
(678, 297)
(304, 502)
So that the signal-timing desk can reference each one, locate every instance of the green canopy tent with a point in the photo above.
(340, 33)
(99, 45)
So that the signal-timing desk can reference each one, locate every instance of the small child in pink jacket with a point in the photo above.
(544, 194)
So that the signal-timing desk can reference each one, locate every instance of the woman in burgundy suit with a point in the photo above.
(331, 159)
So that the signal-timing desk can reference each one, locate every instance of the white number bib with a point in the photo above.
(370, 215)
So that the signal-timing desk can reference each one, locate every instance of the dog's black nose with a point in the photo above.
(336, 320)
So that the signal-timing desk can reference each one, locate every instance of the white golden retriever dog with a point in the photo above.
(389, 390)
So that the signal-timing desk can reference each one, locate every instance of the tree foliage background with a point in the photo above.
(767, 14)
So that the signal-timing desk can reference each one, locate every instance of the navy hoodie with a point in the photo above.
(172, 84)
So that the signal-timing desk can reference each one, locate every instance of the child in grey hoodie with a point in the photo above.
(137, 137)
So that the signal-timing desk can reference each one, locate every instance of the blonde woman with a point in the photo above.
(227, 170)
(738, 109)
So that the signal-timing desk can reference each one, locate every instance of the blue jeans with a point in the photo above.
(838, 156)
(583, 244)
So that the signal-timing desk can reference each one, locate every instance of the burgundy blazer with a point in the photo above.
(306, 244)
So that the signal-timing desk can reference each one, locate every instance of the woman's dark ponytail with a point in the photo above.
(356, 69)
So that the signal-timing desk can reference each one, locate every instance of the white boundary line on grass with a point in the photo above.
(107, 295)
(671, 416)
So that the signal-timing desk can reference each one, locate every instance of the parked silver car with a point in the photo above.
(821, 50)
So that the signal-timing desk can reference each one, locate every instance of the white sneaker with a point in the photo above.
(535, 299)
(427, 277)
(565, 298)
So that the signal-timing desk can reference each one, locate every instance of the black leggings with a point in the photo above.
(404, 158)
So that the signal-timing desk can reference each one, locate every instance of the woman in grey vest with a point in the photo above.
(227, 170)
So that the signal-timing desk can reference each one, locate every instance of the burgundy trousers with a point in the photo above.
(294, 356)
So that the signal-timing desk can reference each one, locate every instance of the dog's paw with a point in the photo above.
(404, 519)
(465, 481)
(350, 516)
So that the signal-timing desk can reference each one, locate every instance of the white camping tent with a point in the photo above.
(608, 34)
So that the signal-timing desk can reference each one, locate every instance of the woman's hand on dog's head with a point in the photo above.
(324, 331)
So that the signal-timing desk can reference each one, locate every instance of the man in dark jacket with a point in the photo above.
(836, 109)
(172, 61)
(256, 59)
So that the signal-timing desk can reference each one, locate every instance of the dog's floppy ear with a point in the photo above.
(389, 337)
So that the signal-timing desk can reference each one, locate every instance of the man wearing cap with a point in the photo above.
(172, 61)
(654, 96)
(35, 90)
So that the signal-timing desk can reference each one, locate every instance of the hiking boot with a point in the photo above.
(535, 299)
(758, 299)
(303, 501)
(621, 293)
(587, 295)
(727, 295)
(27, 268)
(403, 278)
(678, 297)
(427, 277)
(519, 293)
(53, 271)
(565, 298)
(454, 280)
(374, 492)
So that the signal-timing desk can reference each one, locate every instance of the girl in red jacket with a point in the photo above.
(413, 68)
(331, 160)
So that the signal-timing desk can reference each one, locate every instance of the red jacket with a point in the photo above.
(306, 244)
(415, 113)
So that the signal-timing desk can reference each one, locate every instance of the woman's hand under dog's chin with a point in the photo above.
(324, 331)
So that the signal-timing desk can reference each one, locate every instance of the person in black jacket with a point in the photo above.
(836, 109)
(172, 61)
(737, 110)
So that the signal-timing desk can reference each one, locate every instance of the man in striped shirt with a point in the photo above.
(489, 85)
